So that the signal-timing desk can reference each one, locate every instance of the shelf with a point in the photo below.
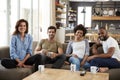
(105, 17)
(93, 36)
(60, 5)
(72, 11)
(59, 18)
(60, 12)
(71, 21)
(72, 17)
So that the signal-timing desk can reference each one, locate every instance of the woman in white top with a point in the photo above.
(78, 49)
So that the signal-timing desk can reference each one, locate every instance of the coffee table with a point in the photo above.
(60, 74)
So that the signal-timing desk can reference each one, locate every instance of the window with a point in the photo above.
(45, 17)
(11, 11)
(3, 21)
(36, 12)
(84, 16)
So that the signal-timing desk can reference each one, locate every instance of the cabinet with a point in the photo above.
(72, 17)
(60, 15)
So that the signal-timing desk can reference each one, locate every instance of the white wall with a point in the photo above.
(60, 35)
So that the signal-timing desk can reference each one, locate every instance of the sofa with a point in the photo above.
(20, 73)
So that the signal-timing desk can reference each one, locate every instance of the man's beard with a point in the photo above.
(51, 36)
(103, 38)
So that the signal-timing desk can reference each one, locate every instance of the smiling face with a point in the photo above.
(79, 34)
(51, 33)
(22, 27)
(103, 34)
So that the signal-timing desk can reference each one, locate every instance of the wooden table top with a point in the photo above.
(60, 74)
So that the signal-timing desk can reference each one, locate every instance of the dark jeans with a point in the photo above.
(11, 63)
(105, 62)
(57, 62)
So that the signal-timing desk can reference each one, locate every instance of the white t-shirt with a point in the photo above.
(111, 42)
(79, 48)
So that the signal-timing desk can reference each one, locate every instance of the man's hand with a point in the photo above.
(91, 57)
(53, 55)
(44, 51)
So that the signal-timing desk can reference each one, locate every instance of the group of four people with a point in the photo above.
(50, 51)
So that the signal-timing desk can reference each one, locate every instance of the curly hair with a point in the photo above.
(80, 27)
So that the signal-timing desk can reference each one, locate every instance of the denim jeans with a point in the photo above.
(105, 62)
(77, 61)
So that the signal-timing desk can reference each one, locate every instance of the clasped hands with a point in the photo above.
(21, 64)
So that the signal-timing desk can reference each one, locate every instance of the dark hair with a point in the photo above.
(18, 24)
(80, 27)
(52, 27)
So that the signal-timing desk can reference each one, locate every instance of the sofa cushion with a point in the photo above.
(15, 73)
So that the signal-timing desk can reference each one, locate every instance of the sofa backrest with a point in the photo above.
(34, 46)
(64, 47)
(4, 52)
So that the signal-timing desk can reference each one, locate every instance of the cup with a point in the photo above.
(41, 68)
(94, 69)
(49, 54)
(73, 67)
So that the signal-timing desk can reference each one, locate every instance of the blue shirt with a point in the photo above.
(18, 48)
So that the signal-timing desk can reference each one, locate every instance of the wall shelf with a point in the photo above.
(60, 5)
(105, 17)
(60, 18)
(60, 14)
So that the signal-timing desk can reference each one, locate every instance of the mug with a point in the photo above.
(41, 68)
(73, 67)
(94, 69)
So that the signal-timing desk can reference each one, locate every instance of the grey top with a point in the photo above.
(70, 49)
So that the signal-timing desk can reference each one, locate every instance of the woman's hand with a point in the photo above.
(20, 64)
(68, 55)
(75, 55)
(82, 63)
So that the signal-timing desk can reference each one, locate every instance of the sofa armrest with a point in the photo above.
(4, 52)
(114, 74)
